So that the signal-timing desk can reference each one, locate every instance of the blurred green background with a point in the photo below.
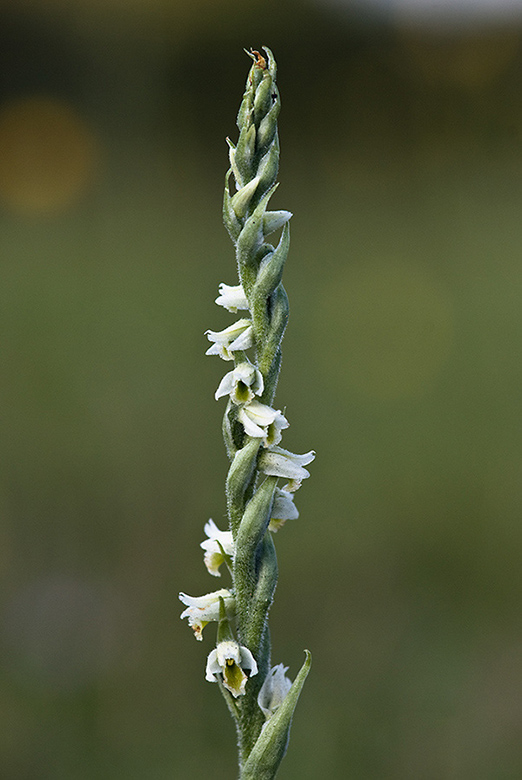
(402, 162)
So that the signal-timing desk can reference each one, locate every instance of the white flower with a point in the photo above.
(230, 659)
(283, 509)
(242, 384)
(262, 422)
(232, 298)
(277, 462)
(274, 690)
(218, 547)
(204, 609)
(227, 341)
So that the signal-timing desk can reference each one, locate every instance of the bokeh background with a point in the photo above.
(401, 135)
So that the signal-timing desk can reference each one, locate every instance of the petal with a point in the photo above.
(251, 429)
(213, 667)
(260, 414)
(226, 386)
(211, 529)
(243, 341)
(248, 661)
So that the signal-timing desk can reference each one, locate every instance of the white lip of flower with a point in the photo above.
(230, 659)
(237, 336)
(232, 297)
(242, 384)
(262, 422)
(218, 545)
(205, 609)
(274, 690)
(277, 462)
(283, 509)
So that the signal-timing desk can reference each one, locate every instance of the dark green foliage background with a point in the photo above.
(402, 162)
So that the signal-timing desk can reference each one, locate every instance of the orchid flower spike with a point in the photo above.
(262, 707)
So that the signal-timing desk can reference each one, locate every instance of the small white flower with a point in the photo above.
(241, 384)
(230, 660)
(262, 422)
(277, 462)
(218, 547)
(274, 690)
(283, 509)
(204, 609)
(232, 297)
(225, 342)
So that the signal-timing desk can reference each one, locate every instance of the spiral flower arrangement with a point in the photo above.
(260, 697)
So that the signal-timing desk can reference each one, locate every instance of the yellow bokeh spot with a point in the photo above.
(48, 155)
(391, 323)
